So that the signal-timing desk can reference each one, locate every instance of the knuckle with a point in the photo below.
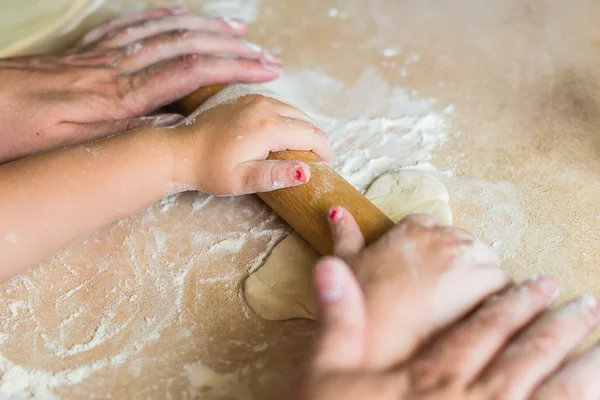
(118, 36)
(259, 101)
(190, 61)
(183, 34)
(492, 319)
(126, 94)
(125, 84)
(408, 225)
(272, 173)
(427, 375)
(536, 293)
(265, 124)
(541, 342)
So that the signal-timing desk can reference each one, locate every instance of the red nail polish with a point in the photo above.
(332, 214)
(299, 175)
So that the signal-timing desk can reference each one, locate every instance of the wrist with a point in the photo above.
(184, 162)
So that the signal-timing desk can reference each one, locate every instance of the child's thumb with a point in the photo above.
(265, 176)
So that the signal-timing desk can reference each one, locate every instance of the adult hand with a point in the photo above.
(119, 72)
(507, 347)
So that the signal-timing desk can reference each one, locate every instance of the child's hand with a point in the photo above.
(224, 152)
(119, 72)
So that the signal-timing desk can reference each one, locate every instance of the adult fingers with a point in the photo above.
(463, 352)
(157, 86)
(80, 132)
(153, 27)
(424, 220)
(578, 380)
(542, 348)
(126, 20)
(420, 262)
(266, 176)
(179, 43)
(341, 316)
(348, 240)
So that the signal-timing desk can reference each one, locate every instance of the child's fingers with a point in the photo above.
(299, 135)
(266, 176)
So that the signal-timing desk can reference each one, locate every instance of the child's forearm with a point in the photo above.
(49, 200)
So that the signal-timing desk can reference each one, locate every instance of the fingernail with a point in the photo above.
(253, 47)
(274, 68)
(548, 286)
(234, 23)
(582, 305)
(272, 57)
(300, 175)
(590, 302)
(334, 214)
(331, 288)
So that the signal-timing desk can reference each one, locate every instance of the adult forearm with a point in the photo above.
(49, 200)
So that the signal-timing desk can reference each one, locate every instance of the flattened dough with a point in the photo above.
(282, 288)
(405, 192)
(26, 23)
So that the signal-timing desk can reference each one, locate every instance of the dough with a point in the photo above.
(27, 23)
(282, 288)
(400, 193)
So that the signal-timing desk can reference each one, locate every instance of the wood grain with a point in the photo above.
(305, 207)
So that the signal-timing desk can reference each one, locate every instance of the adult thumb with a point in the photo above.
(342, 317)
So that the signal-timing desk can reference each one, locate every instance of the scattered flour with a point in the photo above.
(390, 52)
(333, 12)
(505, 220)
(216, 385)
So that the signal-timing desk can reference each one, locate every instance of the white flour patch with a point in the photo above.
(333, 12)
(366, 147)
(503, 221)
(390, 52)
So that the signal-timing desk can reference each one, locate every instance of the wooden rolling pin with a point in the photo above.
(305, 207)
